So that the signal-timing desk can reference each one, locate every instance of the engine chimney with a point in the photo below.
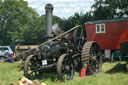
(49, 13)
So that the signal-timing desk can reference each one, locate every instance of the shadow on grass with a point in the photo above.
(118, 68)
(48, 77)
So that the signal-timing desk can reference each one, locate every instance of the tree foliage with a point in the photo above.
(15, 19)
(76, 19)
(101, 10)
(120, 6)
(110, 9)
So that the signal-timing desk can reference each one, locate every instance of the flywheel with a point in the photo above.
(79, 38)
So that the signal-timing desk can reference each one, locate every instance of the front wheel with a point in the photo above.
(30, 66)
(65, 67)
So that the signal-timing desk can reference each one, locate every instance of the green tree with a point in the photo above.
(101, 10)
(72, 21)
(15, 18)
(109, 9)
(76, 19)
(120, 7)
(87, 17)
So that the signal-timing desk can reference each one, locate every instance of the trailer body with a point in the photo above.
(108, 33)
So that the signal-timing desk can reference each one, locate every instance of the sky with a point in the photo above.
(62, 8)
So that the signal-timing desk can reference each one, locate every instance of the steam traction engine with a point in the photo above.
(62, 53)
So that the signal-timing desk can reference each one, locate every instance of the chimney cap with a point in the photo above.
(49, 6)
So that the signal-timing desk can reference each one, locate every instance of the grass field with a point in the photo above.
(112, 74)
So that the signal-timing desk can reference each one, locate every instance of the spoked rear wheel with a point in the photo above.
(30, 65)
(65, 67)
(91, 55)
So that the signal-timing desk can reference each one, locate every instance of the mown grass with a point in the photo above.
(9, 72)
(112, 74)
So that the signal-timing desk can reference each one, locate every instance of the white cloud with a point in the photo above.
(65, 10)
(62, 8)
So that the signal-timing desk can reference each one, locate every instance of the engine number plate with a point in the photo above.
(44, 62)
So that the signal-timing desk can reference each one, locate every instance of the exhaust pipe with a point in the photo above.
(49, 14)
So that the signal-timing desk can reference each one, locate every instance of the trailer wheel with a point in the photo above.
(79, 38)
(30, 65)
(91, 55)
(65, 67)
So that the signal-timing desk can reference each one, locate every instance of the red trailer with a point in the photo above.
(108, 33)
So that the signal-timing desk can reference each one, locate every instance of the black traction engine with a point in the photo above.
(63, 53)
